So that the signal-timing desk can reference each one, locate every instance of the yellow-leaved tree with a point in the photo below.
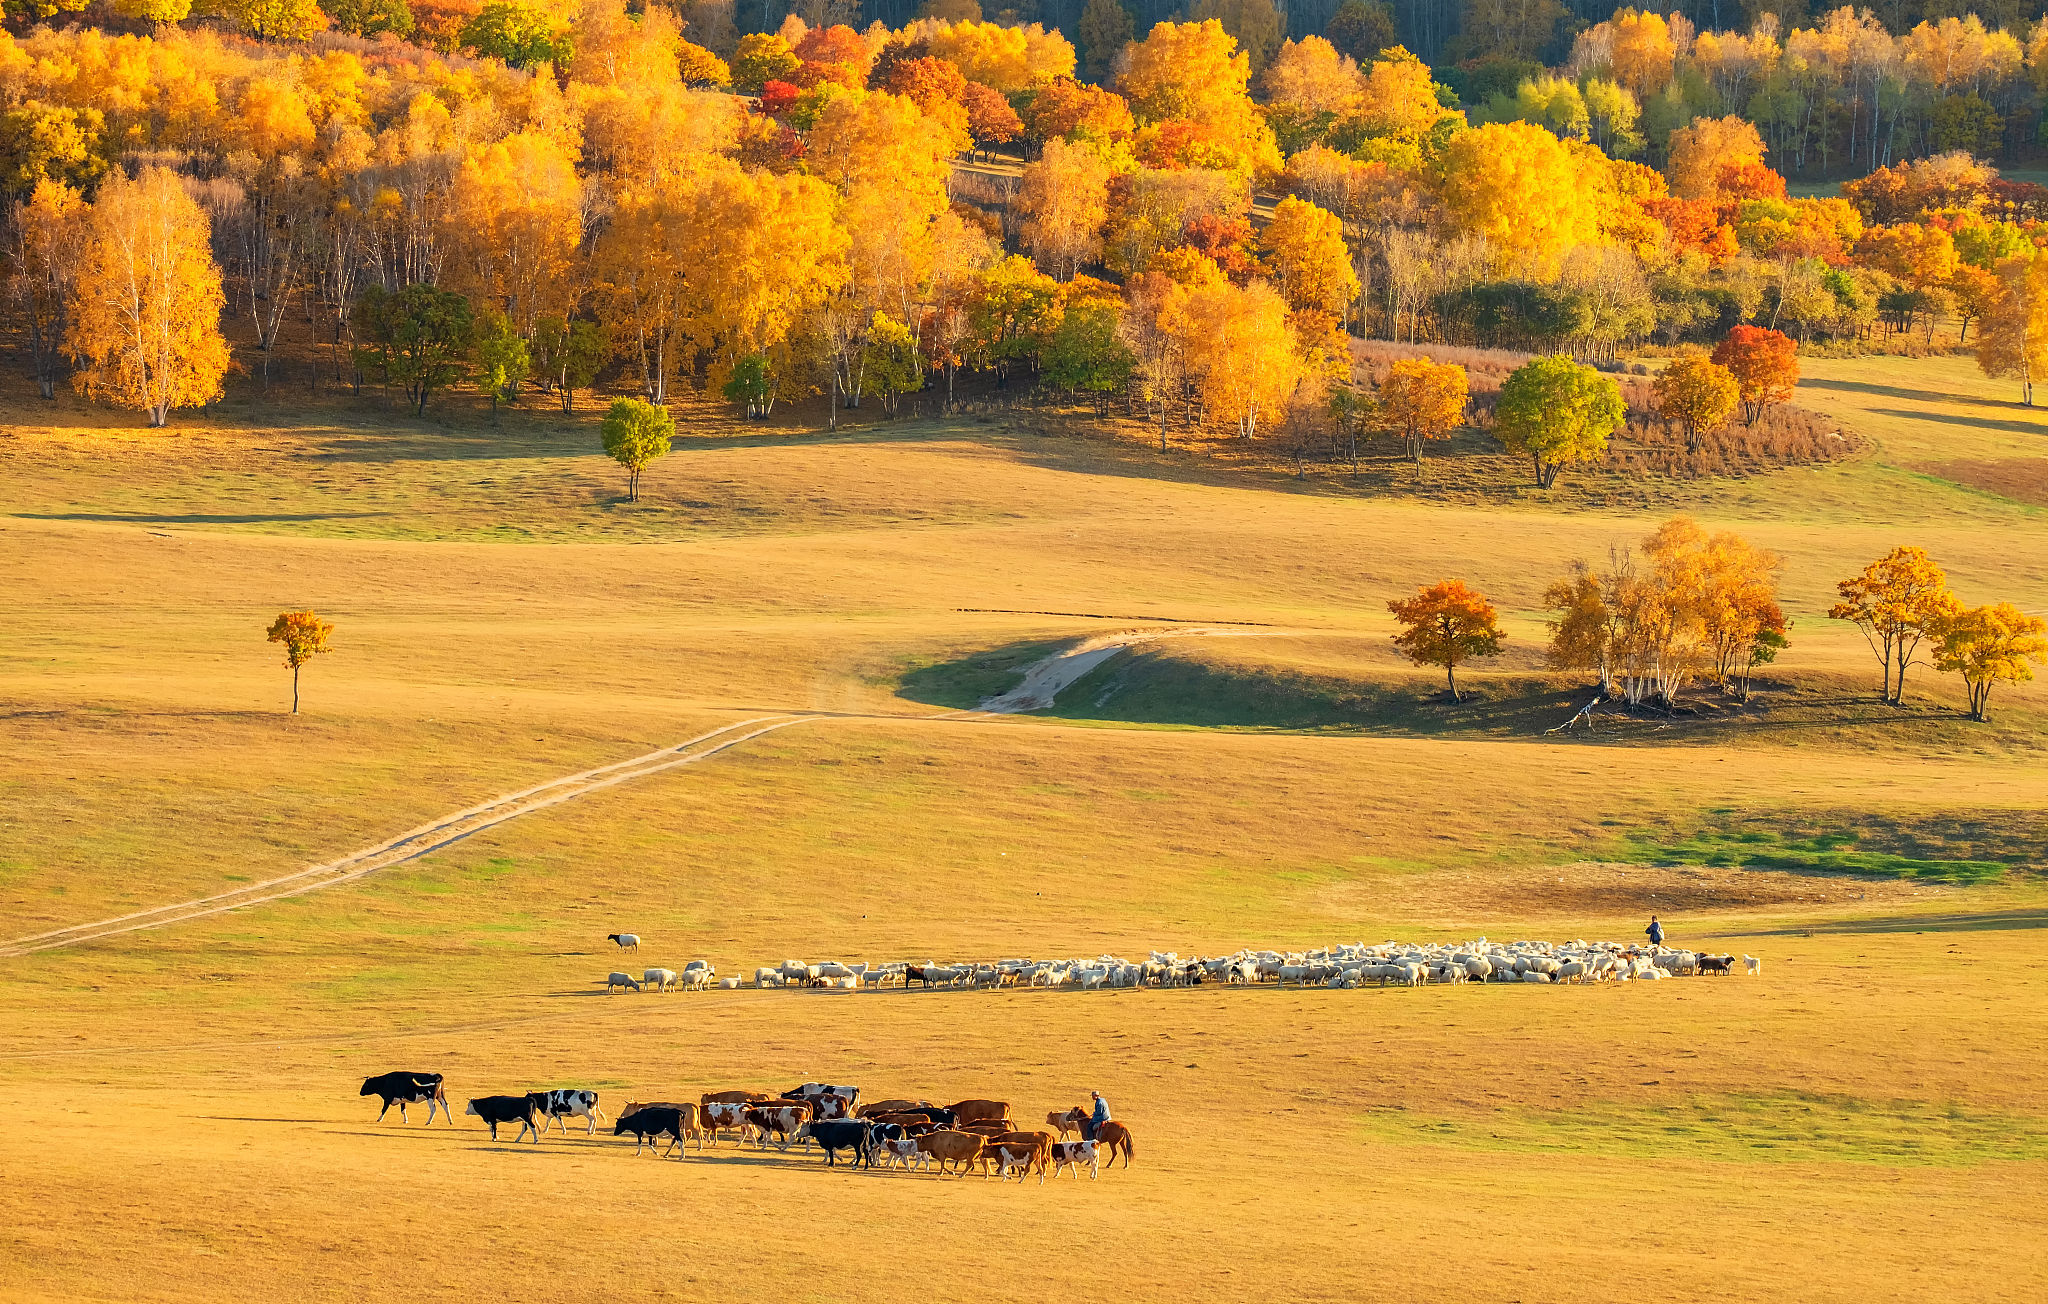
(146, 299)
(1897, 600)
(1310, 262)
(515, 220)
(1521, 188)
(1241, 353)
(2013, 340)
(1065, 201)
(1424, 399)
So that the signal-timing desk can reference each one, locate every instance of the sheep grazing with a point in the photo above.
(625, 940)
(620, 980)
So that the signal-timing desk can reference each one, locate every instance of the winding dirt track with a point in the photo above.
(1042, 683)
(411, 844)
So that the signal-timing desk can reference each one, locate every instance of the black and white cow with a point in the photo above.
(827, 1101)
(402, 1089)
(567, 1103)
(505, 1109)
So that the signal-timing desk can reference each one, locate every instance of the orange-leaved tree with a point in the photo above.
(1699, 394)
(1424, 400)
(304, 636)
(1897, 600)
(1765, 364)
(146, 299)
(1445, 624)
(1987, 644)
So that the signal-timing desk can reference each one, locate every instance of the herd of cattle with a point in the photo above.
(1345, 966)
(914, 1134)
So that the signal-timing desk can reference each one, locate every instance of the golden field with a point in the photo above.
(1863, 1120)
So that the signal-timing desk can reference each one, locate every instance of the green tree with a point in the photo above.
(1444, 624)
(1106, 28)
(420, 337)
(370, 17)
(304, 636)
(46, 141)
(890, 362)
(635, 433)
(569, 357)
(27, 13)
(517, 34)
(1555, 411)
(1361, 29)
(1088, 353)
(502, 358)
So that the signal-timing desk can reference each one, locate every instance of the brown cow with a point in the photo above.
(882, 1107)
(992, 1127)
(732, 1097)
(1067, 1120)
(975, 1111)
(949, 1147)
(786, 1119)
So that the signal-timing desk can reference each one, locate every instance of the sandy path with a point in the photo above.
(411, 844)
(1042, 683)
(1045, 680)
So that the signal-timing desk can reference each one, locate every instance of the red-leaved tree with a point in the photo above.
(1765, 364)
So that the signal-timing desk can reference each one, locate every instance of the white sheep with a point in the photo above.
(660, 980)
(620, 980)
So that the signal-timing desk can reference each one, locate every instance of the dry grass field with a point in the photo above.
(1866, 1120)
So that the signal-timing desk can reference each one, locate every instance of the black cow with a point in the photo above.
(504, 1109)
(402, 1089)
(843, 1134)
(649, 1125)
(930, 1113)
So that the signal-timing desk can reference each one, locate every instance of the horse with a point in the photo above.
(1112, 1135)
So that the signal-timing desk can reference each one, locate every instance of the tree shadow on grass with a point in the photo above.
(1997, 921)
(1974, 423)
(194, 518)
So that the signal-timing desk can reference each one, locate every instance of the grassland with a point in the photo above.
(1868, 1114)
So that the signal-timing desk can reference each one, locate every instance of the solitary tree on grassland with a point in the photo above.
(635, 433)
(1445, 624)
(304, 636)
(146, 299)
(1556, 411)
(1987, 644)
(1699, 394)
(1424, 400)
(1898, 600)
(1765, 365)
(420, 336)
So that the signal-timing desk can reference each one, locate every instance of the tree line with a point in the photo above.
(1693, 606)
(588, 189)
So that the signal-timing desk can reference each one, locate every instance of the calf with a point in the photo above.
(504, 1109)
(567, 1103)
(402, 1089)
(1072, 1154)
(1720, 964)
(905, 1151)
(843, 1134)
(650, 1123)
(1011, 1152)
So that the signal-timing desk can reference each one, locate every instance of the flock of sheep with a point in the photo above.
(1406, 964)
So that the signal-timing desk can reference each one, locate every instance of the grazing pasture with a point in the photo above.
(1862, 1117)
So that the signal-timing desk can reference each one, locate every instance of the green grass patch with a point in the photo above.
(1773, 1127)
(1825, 853)
(966, 683)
